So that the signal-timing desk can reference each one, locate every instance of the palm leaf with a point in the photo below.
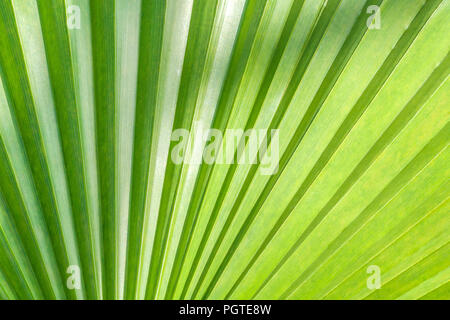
(88, 180)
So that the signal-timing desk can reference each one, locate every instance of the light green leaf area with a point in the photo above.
(348, 200)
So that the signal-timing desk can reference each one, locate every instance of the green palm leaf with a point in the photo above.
(91, 93)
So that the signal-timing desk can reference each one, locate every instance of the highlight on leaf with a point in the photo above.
(224, 149)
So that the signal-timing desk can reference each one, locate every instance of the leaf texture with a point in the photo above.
(94, 206)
